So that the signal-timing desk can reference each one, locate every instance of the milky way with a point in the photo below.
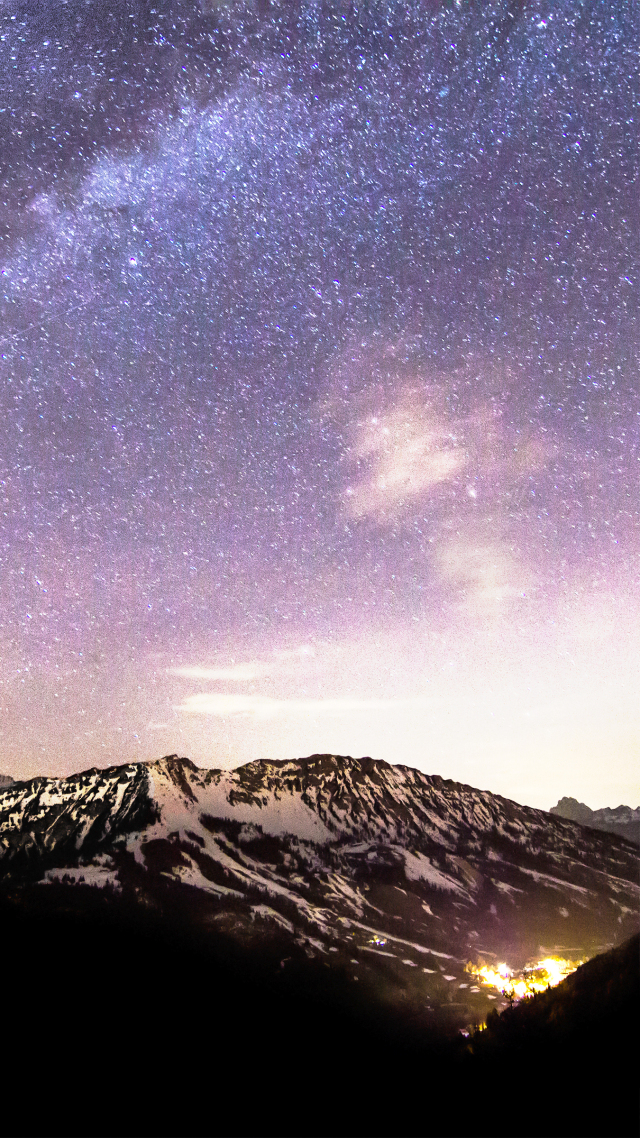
(320, 397)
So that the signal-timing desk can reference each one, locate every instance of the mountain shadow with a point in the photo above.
(118, 1025)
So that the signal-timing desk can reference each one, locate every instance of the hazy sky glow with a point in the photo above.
(320, 387)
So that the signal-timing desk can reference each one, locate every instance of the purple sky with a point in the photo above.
(319, 386)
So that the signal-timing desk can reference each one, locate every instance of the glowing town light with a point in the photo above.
(534, 977)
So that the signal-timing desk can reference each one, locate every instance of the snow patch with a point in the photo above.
(269, 914)
(97, 875)
(554, 882)
(418, 867)
(278, 815)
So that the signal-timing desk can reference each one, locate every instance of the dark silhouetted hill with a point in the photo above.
(566, 1060)
(118, 1025)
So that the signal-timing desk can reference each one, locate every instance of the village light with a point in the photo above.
(534, 977)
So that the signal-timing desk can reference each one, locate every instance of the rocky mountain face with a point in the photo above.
(622, 820)
(393, 878)
(5, 780)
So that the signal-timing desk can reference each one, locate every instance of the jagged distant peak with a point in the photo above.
(621, 820)
(6, 780)
(572, 809)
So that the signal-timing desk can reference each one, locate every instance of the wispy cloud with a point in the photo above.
(446, 449)
(247, 671)
(240, 673)
(486, 572)
(400, 454)
(410, 445)
(225, 705)
(303, 651)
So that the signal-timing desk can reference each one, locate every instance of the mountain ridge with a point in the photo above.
(283, 925)
(395, 877)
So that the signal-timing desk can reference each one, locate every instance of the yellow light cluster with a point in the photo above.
(532, 978)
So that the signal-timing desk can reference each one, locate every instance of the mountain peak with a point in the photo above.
(573, 810)
(172, 761)
(621, 820)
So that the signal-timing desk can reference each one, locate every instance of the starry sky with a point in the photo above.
(319, 396)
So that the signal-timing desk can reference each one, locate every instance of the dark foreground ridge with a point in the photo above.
(117, 1027)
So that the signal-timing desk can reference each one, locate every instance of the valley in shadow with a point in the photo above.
(121, 1020)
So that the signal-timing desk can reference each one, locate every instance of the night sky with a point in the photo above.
(320, 408)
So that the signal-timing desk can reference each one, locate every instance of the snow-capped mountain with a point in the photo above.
(622, 820)
(394, 876)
